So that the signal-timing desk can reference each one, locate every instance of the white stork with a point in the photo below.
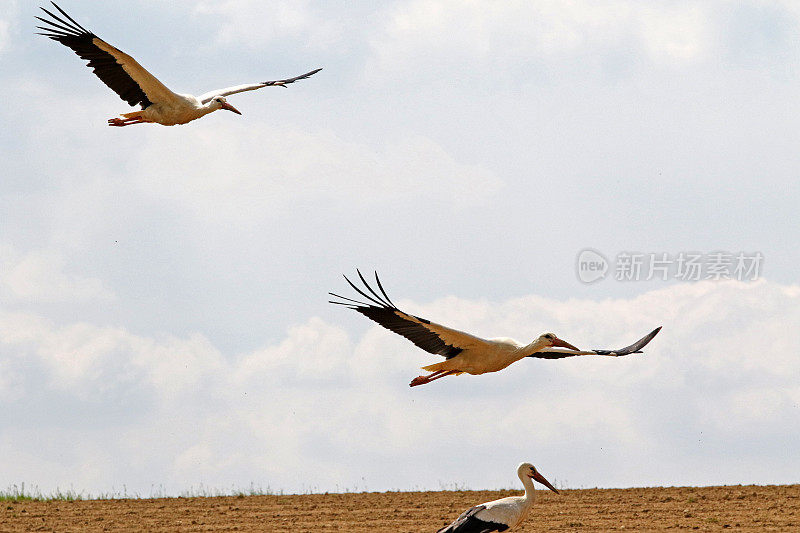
(464, 353)
(502, 514)
(135, 85)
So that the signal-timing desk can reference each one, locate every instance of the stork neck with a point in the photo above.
(534, 347)
(530, 490)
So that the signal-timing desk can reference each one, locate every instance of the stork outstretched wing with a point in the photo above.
(119, 71)
(206, 97)
(560, 353)
(429, 336)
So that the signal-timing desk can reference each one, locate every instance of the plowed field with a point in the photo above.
(767, 508)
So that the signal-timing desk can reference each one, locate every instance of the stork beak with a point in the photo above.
(564, 344)
(540, 478)
(229, 107)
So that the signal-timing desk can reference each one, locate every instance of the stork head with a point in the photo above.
(549, 339)
(219, 102)
(528, 470)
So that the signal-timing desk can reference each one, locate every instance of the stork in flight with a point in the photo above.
(503, 514)
(137, 86)
(463, 353)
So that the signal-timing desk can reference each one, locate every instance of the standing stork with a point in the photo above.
(502, 514)
(123, 75)
(463, 353)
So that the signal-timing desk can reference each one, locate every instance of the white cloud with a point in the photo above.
(39, 276)
(320, 411)
(494, 37)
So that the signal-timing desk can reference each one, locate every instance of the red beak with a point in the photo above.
(564, 344)
(540, 478)
(229, 107)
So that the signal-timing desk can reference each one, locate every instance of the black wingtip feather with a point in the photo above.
(74, 32)
(386, 314)
(371, 290)
(377, 279)
(284, 83)
(362, 293)
(348, 305)
(354, 302)
(644, 341)
(68, 17)
(66, 25)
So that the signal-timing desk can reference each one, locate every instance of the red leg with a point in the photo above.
(119, 122)
(422, 380)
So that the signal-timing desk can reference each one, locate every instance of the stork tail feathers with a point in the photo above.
(436, 367)
(442, 367)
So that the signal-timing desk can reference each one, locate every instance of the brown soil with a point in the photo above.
(770, 508)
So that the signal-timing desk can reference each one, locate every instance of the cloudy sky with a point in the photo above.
(163, 311)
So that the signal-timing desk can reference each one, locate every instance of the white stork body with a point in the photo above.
(464, 353)
(134, 84)
(180, 109)
(503, 514)
(480, 356)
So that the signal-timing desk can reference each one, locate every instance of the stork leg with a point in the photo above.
(422, 380)
(119, 122)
